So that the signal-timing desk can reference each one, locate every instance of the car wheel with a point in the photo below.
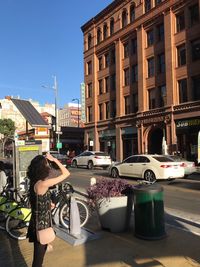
(90, 165)
(114, 173)
(149, 176)
(74, 163)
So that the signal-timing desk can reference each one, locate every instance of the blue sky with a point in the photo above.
(39, 39)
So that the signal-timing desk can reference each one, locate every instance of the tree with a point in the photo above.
(7, 127)
(7, 130)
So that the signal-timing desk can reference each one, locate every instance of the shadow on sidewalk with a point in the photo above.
(10, 253)
(179, 247)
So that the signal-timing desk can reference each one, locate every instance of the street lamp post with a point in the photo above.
(76, 99)
(55, 88)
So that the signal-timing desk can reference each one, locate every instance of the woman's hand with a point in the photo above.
(50, 157)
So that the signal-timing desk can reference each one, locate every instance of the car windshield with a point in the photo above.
(162, 159)
(176, 158)
(101, 154)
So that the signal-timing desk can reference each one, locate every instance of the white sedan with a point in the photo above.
(189, 166)
(91, 159)
(148, 167)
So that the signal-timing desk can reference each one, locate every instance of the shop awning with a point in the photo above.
(30, 113)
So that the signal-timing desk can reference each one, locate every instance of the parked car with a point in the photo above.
(148, 167)
(61, 157)
(91, 159)
(189, 166)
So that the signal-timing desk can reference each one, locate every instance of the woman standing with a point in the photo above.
(40, 198)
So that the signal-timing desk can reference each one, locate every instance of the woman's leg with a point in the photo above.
(38, 254)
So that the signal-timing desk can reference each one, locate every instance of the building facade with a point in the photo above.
(142, 78)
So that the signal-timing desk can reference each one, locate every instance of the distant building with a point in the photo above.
(70, 115)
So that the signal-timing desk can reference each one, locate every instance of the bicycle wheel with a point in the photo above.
(83, 211)
(16, 228)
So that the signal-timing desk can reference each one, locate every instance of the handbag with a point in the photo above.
(47, 235)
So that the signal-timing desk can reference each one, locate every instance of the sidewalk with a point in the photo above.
(179, 249)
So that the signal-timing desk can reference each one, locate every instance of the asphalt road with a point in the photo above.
(181, 196)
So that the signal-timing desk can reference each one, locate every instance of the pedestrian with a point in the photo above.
(3, 177)
(40, 199)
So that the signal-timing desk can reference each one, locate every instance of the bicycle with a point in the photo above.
(16, 212)
(18, 219)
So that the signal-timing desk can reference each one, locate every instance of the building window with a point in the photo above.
(105, 31)
(161, 63)
(89, 41)
(100, 63)
(147, 4)
(107, 84)
(194, 14)
(160, 33)
(150, 38)
(100, 111)
(107, 110)
(100, 87)
(195, 45)
(89, 67)
(106, 60)
(181, 55)
(196, 88)
(180, 22)
(112, 57)
(89, 91)
(132, 13)
(89, 109)
(113, 109)
(134, 46)
(152, 98)
(162, 95)
(182, 84)
(150, 67)
(126, 50)
(99, 37)
(126, 77)
(124, 19)
(113, 82)
(157, 2)
(127, 104)
(134, 73)
(135, 103)
(112, 26)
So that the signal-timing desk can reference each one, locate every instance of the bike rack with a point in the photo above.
(85, 235)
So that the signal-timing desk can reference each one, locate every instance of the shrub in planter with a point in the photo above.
(109, 196)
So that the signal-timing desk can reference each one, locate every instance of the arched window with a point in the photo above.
(105, 31)
(124, 18)
(99, 36)
(89, 41)
(132, 13)
(111, 26)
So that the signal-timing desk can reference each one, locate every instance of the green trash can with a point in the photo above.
(149, 212)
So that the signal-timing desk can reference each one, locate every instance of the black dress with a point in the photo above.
(41, 216)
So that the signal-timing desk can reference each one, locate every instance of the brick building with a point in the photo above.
(142, 77)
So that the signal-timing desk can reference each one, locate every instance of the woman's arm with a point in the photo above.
(42, 186)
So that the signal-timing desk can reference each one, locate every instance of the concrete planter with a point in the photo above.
(113, 213)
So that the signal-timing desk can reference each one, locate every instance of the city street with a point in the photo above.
(181, 196)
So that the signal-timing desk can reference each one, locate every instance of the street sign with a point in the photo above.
(59, 133)
(59, 145)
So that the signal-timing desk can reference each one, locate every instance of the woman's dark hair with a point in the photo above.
(2, 166)
(38, 169)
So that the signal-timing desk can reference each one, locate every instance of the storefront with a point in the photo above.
(130, 142)
(107, 142)
(187, 137)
